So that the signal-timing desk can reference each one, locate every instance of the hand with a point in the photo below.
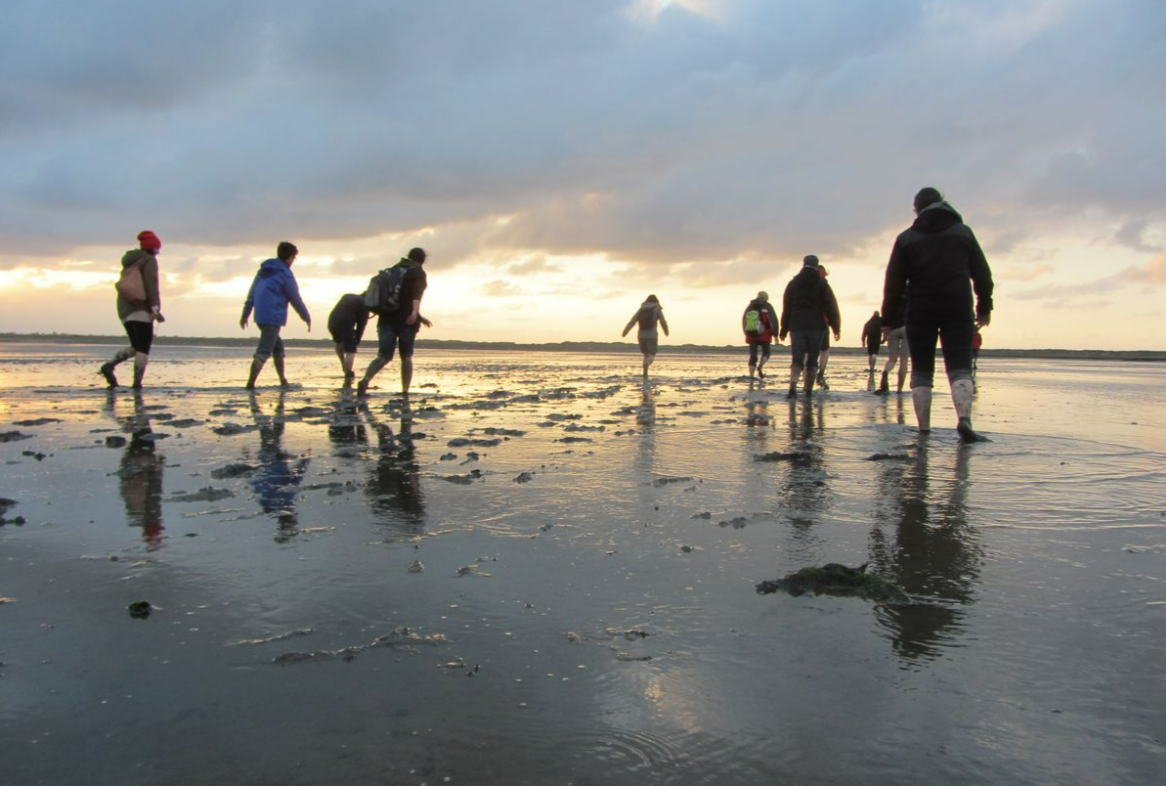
(309, 322)
(425, 322)
(243, 323)
(837, 336)
(983, 320)
(411, 319)
(886, 332)
(158, 316)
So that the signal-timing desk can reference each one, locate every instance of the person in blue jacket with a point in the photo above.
(273, 288)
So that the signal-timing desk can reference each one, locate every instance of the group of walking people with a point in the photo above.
(273, 290)
(935, 268)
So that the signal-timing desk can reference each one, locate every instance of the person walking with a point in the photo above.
(872, 337)
(824, 355)
(399, 326)
(346, 323)
(759, 322)
(939, 262)
(896, 337)
(272, 289)
(647, 316)
(808, 309)
(139, 306)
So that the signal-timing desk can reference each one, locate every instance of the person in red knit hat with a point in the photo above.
(139, 305)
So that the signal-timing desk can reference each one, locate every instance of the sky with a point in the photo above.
(560, 159)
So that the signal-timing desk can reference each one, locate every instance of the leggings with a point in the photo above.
(955, 336)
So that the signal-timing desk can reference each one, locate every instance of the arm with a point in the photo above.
(361, 324)
(631, 322)
(153, 294)
(833, 316)
(663, 322)
(893, 286)
(249, 303)
(981, 283)
(785, 315)
(293, 296)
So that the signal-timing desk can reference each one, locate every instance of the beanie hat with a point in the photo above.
(149, 241)
(822, 271)
(763, 295)
(810, 261)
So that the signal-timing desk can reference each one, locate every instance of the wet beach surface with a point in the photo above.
(544, 572)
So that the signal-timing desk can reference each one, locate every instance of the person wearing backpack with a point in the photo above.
(272, 289)
(399, 317)
(346, 323)
(649, 314)
(808, 309)
(759, 323)
(139, 305)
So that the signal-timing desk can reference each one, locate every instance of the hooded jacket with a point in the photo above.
(273, 288)
(809, 304)
(649, 314)
(765, 307)
(939, 260)
(872, 332)
(149, 265)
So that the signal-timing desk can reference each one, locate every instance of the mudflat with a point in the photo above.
(542, 570)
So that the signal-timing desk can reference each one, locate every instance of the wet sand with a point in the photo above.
(545, 573)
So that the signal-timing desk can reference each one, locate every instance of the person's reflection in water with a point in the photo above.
(140, 472)
(934, 553)
(345, 430)
(394, 485)
(277, 480)
(804, 489)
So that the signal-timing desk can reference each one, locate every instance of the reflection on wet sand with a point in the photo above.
(933, 553)
(140, 471)
(804, 490)
(394, 484)
(277, 480)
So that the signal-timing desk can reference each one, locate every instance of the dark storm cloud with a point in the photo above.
(759, 131)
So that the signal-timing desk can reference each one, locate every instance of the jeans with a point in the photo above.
(269, 342)
(955, 336)
(806, 343)
(390, 335)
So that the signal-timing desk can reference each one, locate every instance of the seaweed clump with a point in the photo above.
(838, 580)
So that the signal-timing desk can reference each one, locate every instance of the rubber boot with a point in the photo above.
(139, 372)
(256, 367)
(962, 392)
(822, 380)
(884, 386)
(107, 368)
(921, 397)
(808, 391)
(795, 371)
(278, 361)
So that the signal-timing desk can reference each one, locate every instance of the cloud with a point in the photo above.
(740, 132)
(1025, 274)
(1152, 273)
(499, 288)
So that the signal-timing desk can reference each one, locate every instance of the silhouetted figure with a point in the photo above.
(273, 288)
(808, 309)
(139, 305)
(759, 323)
(346, 323)
(647, 316)
(936, 263)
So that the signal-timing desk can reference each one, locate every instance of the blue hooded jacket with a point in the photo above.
(273, 288)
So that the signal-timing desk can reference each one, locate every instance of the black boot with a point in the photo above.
(884, 388)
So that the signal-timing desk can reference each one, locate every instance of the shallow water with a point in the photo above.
(586, 511)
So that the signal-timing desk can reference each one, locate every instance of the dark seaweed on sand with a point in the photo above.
(838, 580)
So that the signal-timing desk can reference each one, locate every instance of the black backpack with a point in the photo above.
(383, 295)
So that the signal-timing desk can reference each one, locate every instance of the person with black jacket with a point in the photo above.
(938, 262)
(808, 308)
(872, 337)
(346, 323)
(399, 327)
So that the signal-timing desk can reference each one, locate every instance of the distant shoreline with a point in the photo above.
(1147, 356)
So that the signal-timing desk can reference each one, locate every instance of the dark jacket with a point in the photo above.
(940, 260)
(149, 265)
(872, 332)
(649, 314)
(273, 288)
(809, 304)
(765, 308)
(349, 313)
(413, 286)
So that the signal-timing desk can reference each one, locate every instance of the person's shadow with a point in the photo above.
(933, 553)
(394, 491)
(277, 480)
(140, 471)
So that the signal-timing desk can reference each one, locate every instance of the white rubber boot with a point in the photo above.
(962, 392)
